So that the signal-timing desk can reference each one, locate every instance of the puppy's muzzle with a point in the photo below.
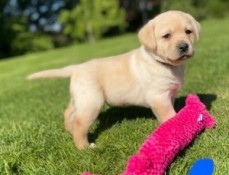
(183, 48)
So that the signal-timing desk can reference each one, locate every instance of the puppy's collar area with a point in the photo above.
(155, 57)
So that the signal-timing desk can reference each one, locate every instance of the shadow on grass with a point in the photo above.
(207, 99)
(115, 115)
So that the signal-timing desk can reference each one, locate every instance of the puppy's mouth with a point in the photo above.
(180, 60)
(184, 57)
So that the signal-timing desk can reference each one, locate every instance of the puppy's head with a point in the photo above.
(171, 36)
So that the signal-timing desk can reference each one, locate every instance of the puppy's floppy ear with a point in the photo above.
(147, 37)
(196, 26)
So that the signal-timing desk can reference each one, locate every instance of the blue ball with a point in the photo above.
(203, 166)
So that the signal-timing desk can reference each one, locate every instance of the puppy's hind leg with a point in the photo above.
(67, 116)
(87, 108)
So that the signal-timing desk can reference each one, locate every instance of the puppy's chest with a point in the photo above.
(160, 81)
(174, 87)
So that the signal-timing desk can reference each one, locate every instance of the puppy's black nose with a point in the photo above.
(183, 47)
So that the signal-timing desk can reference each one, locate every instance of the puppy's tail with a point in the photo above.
(53, 73)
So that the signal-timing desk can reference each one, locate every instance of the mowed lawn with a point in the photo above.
(32, 136)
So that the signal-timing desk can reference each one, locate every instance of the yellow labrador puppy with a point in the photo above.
(148, 76)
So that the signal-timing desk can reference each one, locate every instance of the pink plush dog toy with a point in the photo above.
(159, 150)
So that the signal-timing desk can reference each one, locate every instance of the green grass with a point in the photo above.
(32, 135)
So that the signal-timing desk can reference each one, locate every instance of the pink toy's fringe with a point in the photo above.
(160, 148)
(193, 101)
(86, 173)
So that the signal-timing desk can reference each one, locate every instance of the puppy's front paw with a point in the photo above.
(92, 145)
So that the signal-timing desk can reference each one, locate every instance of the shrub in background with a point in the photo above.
(198, 8)
(89, 20)
(26, 42)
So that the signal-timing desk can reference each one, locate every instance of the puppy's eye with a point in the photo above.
(166, 36)
(188, 32)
